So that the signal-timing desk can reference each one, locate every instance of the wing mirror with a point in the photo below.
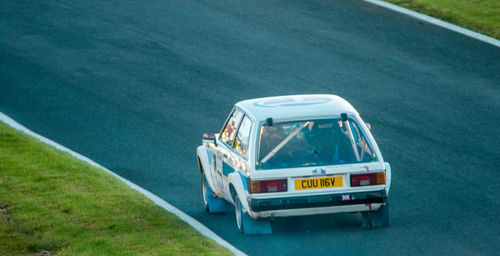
(207, 138)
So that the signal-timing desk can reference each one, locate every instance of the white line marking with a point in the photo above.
(437, 22)
(160, 202)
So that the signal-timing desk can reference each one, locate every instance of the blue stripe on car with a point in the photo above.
(209, 153)
(226, 169)
(244, 181)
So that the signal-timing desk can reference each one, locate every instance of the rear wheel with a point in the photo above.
(245, 223)
(238, 213)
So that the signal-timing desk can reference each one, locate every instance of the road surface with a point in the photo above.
(134, 84)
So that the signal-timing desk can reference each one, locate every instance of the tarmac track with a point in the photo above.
(133, 85)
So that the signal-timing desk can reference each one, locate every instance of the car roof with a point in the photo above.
(297, 107)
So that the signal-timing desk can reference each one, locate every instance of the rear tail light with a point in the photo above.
(267, 186)
(368, 179)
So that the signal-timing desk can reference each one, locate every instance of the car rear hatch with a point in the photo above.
(318, 180)
(317, 187)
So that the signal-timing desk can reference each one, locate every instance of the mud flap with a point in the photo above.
(255, 227)
(376, 219)
(215, 204)
(218, 205)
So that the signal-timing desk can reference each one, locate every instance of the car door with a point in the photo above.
(225, 157)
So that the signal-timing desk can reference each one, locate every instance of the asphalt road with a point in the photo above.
(134, 84)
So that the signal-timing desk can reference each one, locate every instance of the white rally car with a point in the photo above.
(294, 155)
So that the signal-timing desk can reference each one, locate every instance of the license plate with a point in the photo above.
(315, 183)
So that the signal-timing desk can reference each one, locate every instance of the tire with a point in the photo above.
(239, 214)
(245, 223)
(205, 191)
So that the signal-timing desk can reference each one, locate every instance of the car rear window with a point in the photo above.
(312, 143)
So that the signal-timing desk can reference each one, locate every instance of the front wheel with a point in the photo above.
(212, 203)
(205, 191)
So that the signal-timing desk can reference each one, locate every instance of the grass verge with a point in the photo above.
(52, 203)
(482, 16)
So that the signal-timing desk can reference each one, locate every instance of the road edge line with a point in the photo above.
(157, 200)
(436, 22)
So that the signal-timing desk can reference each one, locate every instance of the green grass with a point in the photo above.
(482, 16)
(52, 203)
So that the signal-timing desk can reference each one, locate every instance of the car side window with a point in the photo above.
(241, 143)
(229, 132)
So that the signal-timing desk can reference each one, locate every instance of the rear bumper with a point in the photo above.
(317, 201)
